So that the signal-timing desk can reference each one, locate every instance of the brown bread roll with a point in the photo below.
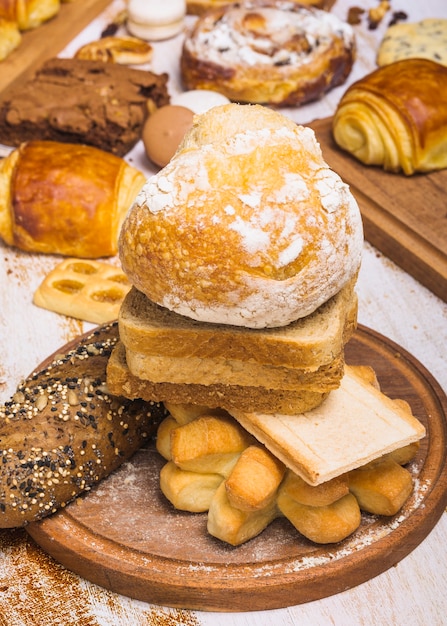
(67, 199)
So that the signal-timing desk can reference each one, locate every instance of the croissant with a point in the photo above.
(396, 117)
(67, 199)
(29, 13)
(10, 37)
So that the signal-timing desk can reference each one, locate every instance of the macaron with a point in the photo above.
(163, 132)
(199, 100)
(154, 20)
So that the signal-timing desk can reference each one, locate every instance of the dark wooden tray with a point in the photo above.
(403, 216)
(127, 538)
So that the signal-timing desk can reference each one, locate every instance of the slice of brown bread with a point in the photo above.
(308, 343)
(212, 371)
(120, 381)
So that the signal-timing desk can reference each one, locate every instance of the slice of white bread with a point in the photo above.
(356, 424)
(308, 343)
(213, 371)
(120, 381)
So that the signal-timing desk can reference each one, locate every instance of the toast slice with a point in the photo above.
(356, 424)
(213, 371)
(121, 382)
(308, 343)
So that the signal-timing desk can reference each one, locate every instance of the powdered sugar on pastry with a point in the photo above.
(236, 38)
(250, 229)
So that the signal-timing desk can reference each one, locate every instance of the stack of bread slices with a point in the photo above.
(243, 253)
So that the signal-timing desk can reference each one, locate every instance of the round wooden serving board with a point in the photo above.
(127, 538)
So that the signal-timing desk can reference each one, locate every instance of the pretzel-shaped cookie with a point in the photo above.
(88, 290)
(122, 50)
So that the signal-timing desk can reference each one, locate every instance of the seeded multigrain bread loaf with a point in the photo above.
(78, 101)
(63, 431)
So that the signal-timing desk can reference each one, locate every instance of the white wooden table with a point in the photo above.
(36, 591)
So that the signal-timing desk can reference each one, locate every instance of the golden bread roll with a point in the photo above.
(248, 495)
(322, 524)
(62, 431)
(184, 413)
(268, 51)
(396, 117)
(88, 290)
(381, 487)
(247, 225)
(208, 444)
(246, 492)
(163, 442)
(233, 525)
(66, 199)
(315, 495)
(122, 50)
(188, 491)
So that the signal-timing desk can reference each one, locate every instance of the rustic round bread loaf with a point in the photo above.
(268, 51)
(247, 225)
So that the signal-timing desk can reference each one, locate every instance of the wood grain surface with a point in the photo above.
(127, 538)
(405, 217)
(47, 40)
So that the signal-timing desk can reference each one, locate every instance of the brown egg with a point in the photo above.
(163, 132)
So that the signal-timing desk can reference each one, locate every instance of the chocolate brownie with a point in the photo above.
(76, 101)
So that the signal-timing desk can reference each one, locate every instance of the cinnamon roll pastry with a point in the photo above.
(198, 7)
(396, 117)
(268, 52)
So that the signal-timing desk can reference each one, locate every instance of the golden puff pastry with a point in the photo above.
(66, 199)
(268, 52)
(396, 117)
(122, 50)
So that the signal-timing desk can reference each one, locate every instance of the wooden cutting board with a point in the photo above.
(126, 537)
(404, 217)
(47, 40)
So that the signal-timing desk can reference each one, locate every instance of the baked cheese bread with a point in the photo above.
(426, 39)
